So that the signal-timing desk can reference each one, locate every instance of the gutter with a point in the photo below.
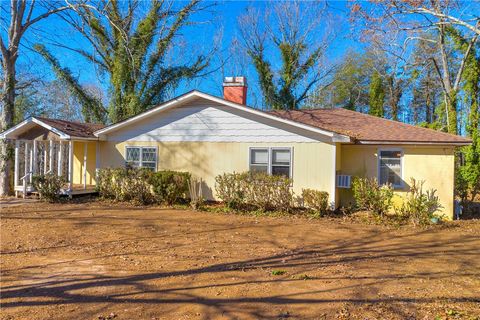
(426, 143)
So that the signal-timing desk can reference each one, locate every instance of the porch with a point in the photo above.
(47, 146)
(69, 159)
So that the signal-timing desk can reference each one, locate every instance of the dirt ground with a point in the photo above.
(103, 261)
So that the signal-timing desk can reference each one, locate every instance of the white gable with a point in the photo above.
(203, 120)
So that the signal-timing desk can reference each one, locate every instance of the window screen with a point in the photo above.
(259, 160)
(276, 161)
(390, 170)
(281, 162)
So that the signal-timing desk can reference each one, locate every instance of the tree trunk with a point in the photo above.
(6, 122)
(394, 106)
(452, 112)
(394, 88)
(428, 104)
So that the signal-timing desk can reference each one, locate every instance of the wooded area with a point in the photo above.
(411, 61)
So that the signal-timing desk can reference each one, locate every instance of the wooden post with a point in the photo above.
(60, 159)
(34, 158)
(26, 170)
(26, 157)
(32, 151)
(50, 164)
(44, 158)
(70, 166)
(85, 148)
(17, 159)
(97, 160)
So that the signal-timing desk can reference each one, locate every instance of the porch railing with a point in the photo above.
(24, 178)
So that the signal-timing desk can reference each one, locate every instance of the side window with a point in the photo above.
(141, 157)
(281, 162)
(390, 167)
(149, 158)
(275, 161)
(259, 160)
(133, 156)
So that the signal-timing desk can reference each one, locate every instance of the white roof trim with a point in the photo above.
(62, 135)
(5, 133)
(172, 103)
(427, 143)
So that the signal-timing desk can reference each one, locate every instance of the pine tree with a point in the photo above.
(298, 73)
(377, 95)
(468, 175)
(349, 87)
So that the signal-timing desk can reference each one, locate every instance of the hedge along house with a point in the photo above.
(318, 148)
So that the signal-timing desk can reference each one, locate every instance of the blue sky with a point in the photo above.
(221, 20)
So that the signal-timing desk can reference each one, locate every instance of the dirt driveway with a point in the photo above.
(98, 261)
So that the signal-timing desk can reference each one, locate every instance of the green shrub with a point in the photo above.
(269, 192)
(419, 206)
(142, 186)
(315, 200)
(255, 191)
(230, 188)
(135, 187)
(169, 186)
(48, 186)
(369, 195)
(105, 186)
(125, 184)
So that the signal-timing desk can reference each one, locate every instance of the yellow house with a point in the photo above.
(207, 136)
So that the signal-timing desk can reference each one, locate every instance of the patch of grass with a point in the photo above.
(278, 272)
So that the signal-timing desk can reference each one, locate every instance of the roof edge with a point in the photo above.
(432, 143)
(33, 119)
(195, 93)
(40, 122)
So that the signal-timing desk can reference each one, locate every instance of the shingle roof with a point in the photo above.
(364, 127)
(73, 128)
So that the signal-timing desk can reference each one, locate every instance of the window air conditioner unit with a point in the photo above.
(344, 181)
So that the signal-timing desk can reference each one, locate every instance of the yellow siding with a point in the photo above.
(338, 169)
(78, 162)
(313, 163)
(434, 165)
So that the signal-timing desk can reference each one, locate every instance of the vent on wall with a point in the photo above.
(344, 181)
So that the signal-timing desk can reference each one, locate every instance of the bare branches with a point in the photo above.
(29, 21)
(447, 19)
(412, 20)
(458, 78)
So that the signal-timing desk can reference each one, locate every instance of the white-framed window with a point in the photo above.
(141, 157)
(274, 160)
(390, 167)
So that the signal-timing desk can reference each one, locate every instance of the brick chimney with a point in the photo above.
(235, 89)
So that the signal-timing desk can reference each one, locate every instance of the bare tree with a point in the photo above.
(17, 18)
(413, 18)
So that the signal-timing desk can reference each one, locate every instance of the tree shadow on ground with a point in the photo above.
(370, 246)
